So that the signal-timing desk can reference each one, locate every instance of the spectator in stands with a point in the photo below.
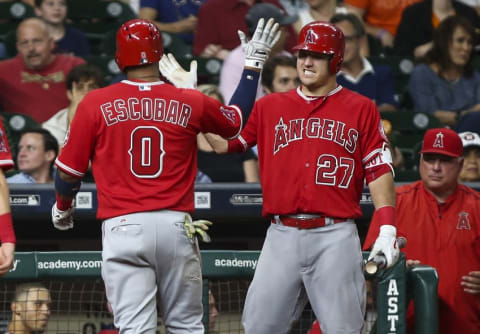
(172, 16)
(33, 83)
(233, 65)
(446, 84)
(218, 22)
(30, 309)
(280, 74)
(317, 10)
(67, 39)
(440, 219)
(80, 80)
(381, 17)
(357, 73)
(241, 167)
(471, 157)
(37, 150)
(415, 31)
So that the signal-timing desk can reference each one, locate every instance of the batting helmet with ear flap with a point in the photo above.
(325, 38)
(139, 42)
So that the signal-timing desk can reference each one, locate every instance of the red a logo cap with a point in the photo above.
(442, 141)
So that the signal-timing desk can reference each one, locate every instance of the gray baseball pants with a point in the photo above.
(148, 258)
(323, 265)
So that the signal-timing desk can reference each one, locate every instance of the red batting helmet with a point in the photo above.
(139, 42)
(323, 37)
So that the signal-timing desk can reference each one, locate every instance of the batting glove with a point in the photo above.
(197, 228)
(62, 220)
(171, 69)
(256, 50)
(386, 244)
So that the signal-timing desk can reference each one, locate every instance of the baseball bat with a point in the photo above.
(379, 261)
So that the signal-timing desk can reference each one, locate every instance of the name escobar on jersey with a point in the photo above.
(146, 109)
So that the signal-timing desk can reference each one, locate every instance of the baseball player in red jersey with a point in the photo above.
(7, 234)
(441, 220)
(140, 136)
(316, 146)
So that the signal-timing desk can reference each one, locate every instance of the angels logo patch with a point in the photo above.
(230, 114)
(463, 221)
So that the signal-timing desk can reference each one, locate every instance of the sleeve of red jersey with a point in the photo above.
(376, 157)
(78, 148)
(6, 161)
(221, 119)
(248, 136)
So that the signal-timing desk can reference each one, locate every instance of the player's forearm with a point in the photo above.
(219, 144)
(250, 169)
(382, 191)
(66, 187)
(446, 117)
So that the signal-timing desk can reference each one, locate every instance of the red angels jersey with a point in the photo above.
(446, 237)
(313, 152)
(141, 140)
(6, 161)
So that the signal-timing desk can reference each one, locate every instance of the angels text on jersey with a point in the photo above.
(327, 129)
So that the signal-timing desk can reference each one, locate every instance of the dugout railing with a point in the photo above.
(79, 303)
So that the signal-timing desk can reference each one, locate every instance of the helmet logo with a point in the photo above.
(143, 57)
(311, 37)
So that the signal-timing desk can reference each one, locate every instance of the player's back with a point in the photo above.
(141, 138)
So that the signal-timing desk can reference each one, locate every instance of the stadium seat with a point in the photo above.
(209, 70)
(408, 128)
(106, 63)
(97, 17)
(407, 175)
(401, 67)
(173, 44)
(11, 13)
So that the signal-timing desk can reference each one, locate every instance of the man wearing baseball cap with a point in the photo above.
(471, 155)
(441, 220)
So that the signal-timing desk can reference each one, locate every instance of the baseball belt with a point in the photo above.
(307, 221)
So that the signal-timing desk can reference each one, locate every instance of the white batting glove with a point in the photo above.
(386, 244)
(256, 50)
(171, 69)
(197, 228)
(62, 220)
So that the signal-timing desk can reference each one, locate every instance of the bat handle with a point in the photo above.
(380, 261)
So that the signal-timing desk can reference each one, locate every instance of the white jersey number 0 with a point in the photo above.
(146, 152)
